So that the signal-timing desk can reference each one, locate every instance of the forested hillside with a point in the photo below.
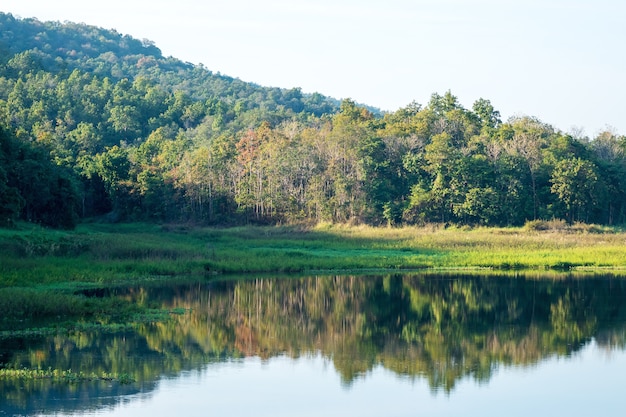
(96, 124)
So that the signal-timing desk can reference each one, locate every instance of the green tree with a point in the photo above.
(489, 117)
(11, 202)
(574, 181)
(442, 157)
(114, 168)
(481, 206)
(529, 138)
(33, 188)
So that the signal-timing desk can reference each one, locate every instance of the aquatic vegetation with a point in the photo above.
(68, 376)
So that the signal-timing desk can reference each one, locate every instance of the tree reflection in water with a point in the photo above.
(441, 328)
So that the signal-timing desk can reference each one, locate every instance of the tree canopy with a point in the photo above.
(97, 123)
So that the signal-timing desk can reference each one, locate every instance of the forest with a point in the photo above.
(96, 124)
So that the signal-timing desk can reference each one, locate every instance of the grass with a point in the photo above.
(108, 254)
(43, 273)
(435, 247)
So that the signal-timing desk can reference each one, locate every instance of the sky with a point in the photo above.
(561, 61)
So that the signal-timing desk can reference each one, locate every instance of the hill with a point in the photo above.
(57, 47)
(99, 124)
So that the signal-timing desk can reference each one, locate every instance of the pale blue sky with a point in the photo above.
(562, 61)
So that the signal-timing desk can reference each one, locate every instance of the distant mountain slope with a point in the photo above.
(106, 53)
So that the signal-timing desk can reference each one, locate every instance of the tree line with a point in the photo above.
(135, 136)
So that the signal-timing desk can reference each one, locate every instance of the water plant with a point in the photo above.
(67, 376)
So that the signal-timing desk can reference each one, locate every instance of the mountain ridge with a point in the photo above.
(108, 53)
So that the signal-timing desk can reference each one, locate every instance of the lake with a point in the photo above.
(392, 345)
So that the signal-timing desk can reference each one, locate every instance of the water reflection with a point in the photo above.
(437, 329)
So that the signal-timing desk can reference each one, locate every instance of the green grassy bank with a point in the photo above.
(106, 254)
(44, 273)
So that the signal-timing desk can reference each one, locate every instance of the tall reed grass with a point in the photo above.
(107, 254)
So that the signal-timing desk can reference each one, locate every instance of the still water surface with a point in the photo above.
(395, 345)
(588, 384)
